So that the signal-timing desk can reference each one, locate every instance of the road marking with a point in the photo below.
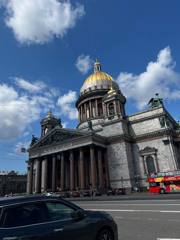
(127, 201)
(132, 204)
(132, 210)
(119, 217)
(173, 220)
(168, 238)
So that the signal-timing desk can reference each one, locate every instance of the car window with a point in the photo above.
(59, 211)
(26, 214)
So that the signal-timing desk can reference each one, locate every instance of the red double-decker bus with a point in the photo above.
(164, 182)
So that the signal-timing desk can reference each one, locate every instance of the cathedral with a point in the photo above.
(108, 149)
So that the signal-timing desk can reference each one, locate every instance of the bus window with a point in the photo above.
(154, 184)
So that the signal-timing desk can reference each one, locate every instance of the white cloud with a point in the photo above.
(7, 94)
(18, 110)
(39, 21)
(64, 124)
(159, 77)
(31, 87)
(84, 63)
(20, 145)
(66, 104)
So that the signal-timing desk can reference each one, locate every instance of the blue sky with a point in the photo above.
(47, 48)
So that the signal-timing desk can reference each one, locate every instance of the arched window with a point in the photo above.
(111, 109)
(100, 109)
(150, 164)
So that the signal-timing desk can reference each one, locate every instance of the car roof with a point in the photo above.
(24, 199)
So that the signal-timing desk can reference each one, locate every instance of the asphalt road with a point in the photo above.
(142, 219)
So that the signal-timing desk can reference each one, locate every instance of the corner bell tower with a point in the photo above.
(48, 123)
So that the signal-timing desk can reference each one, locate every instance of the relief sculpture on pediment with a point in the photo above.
(57, 138)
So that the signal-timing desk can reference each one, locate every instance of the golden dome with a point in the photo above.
(98, 76)
(98, 80)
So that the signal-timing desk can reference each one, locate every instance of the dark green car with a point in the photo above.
(52, 218)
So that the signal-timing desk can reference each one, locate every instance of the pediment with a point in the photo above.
(147, 150)
(58, 135)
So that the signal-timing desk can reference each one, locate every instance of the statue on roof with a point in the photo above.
(156, 101)
(60, 123)
(34, 140)
(90, 125)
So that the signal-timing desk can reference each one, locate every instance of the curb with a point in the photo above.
(126, 197)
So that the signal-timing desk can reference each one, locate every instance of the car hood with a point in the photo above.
(101, 214)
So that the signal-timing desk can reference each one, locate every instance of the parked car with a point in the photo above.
(87, 193)
(75, 194)
(120, 191)
(51, 218)
(116, 191)
(65, 194)
(110, 192)
(98, 193)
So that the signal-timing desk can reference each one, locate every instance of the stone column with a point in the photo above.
(90, 109)
(96, 107)
(38, 176)
(104, 109)
(71, 159)
(144, 165)
(120, 109)
(79, 114)
(115, 107)
(85, 110)
(93, 166)
(81, 168)
(54, 173)
(86, 173)
(100, 169)
(45, 177)
(81, 107)
(30, 177)
(62, 171)
(106, 169)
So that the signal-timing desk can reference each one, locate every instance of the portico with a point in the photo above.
(70, 165)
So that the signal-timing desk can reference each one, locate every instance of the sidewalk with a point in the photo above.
(131, 196)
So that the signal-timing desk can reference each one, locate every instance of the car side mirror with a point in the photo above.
(78, 214)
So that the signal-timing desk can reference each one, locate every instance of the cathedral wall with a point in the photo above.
(146, 114)
(166, 156)
(146, 126)
(145, 122)
(114, 129)
(120, 165)
(96, 123)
